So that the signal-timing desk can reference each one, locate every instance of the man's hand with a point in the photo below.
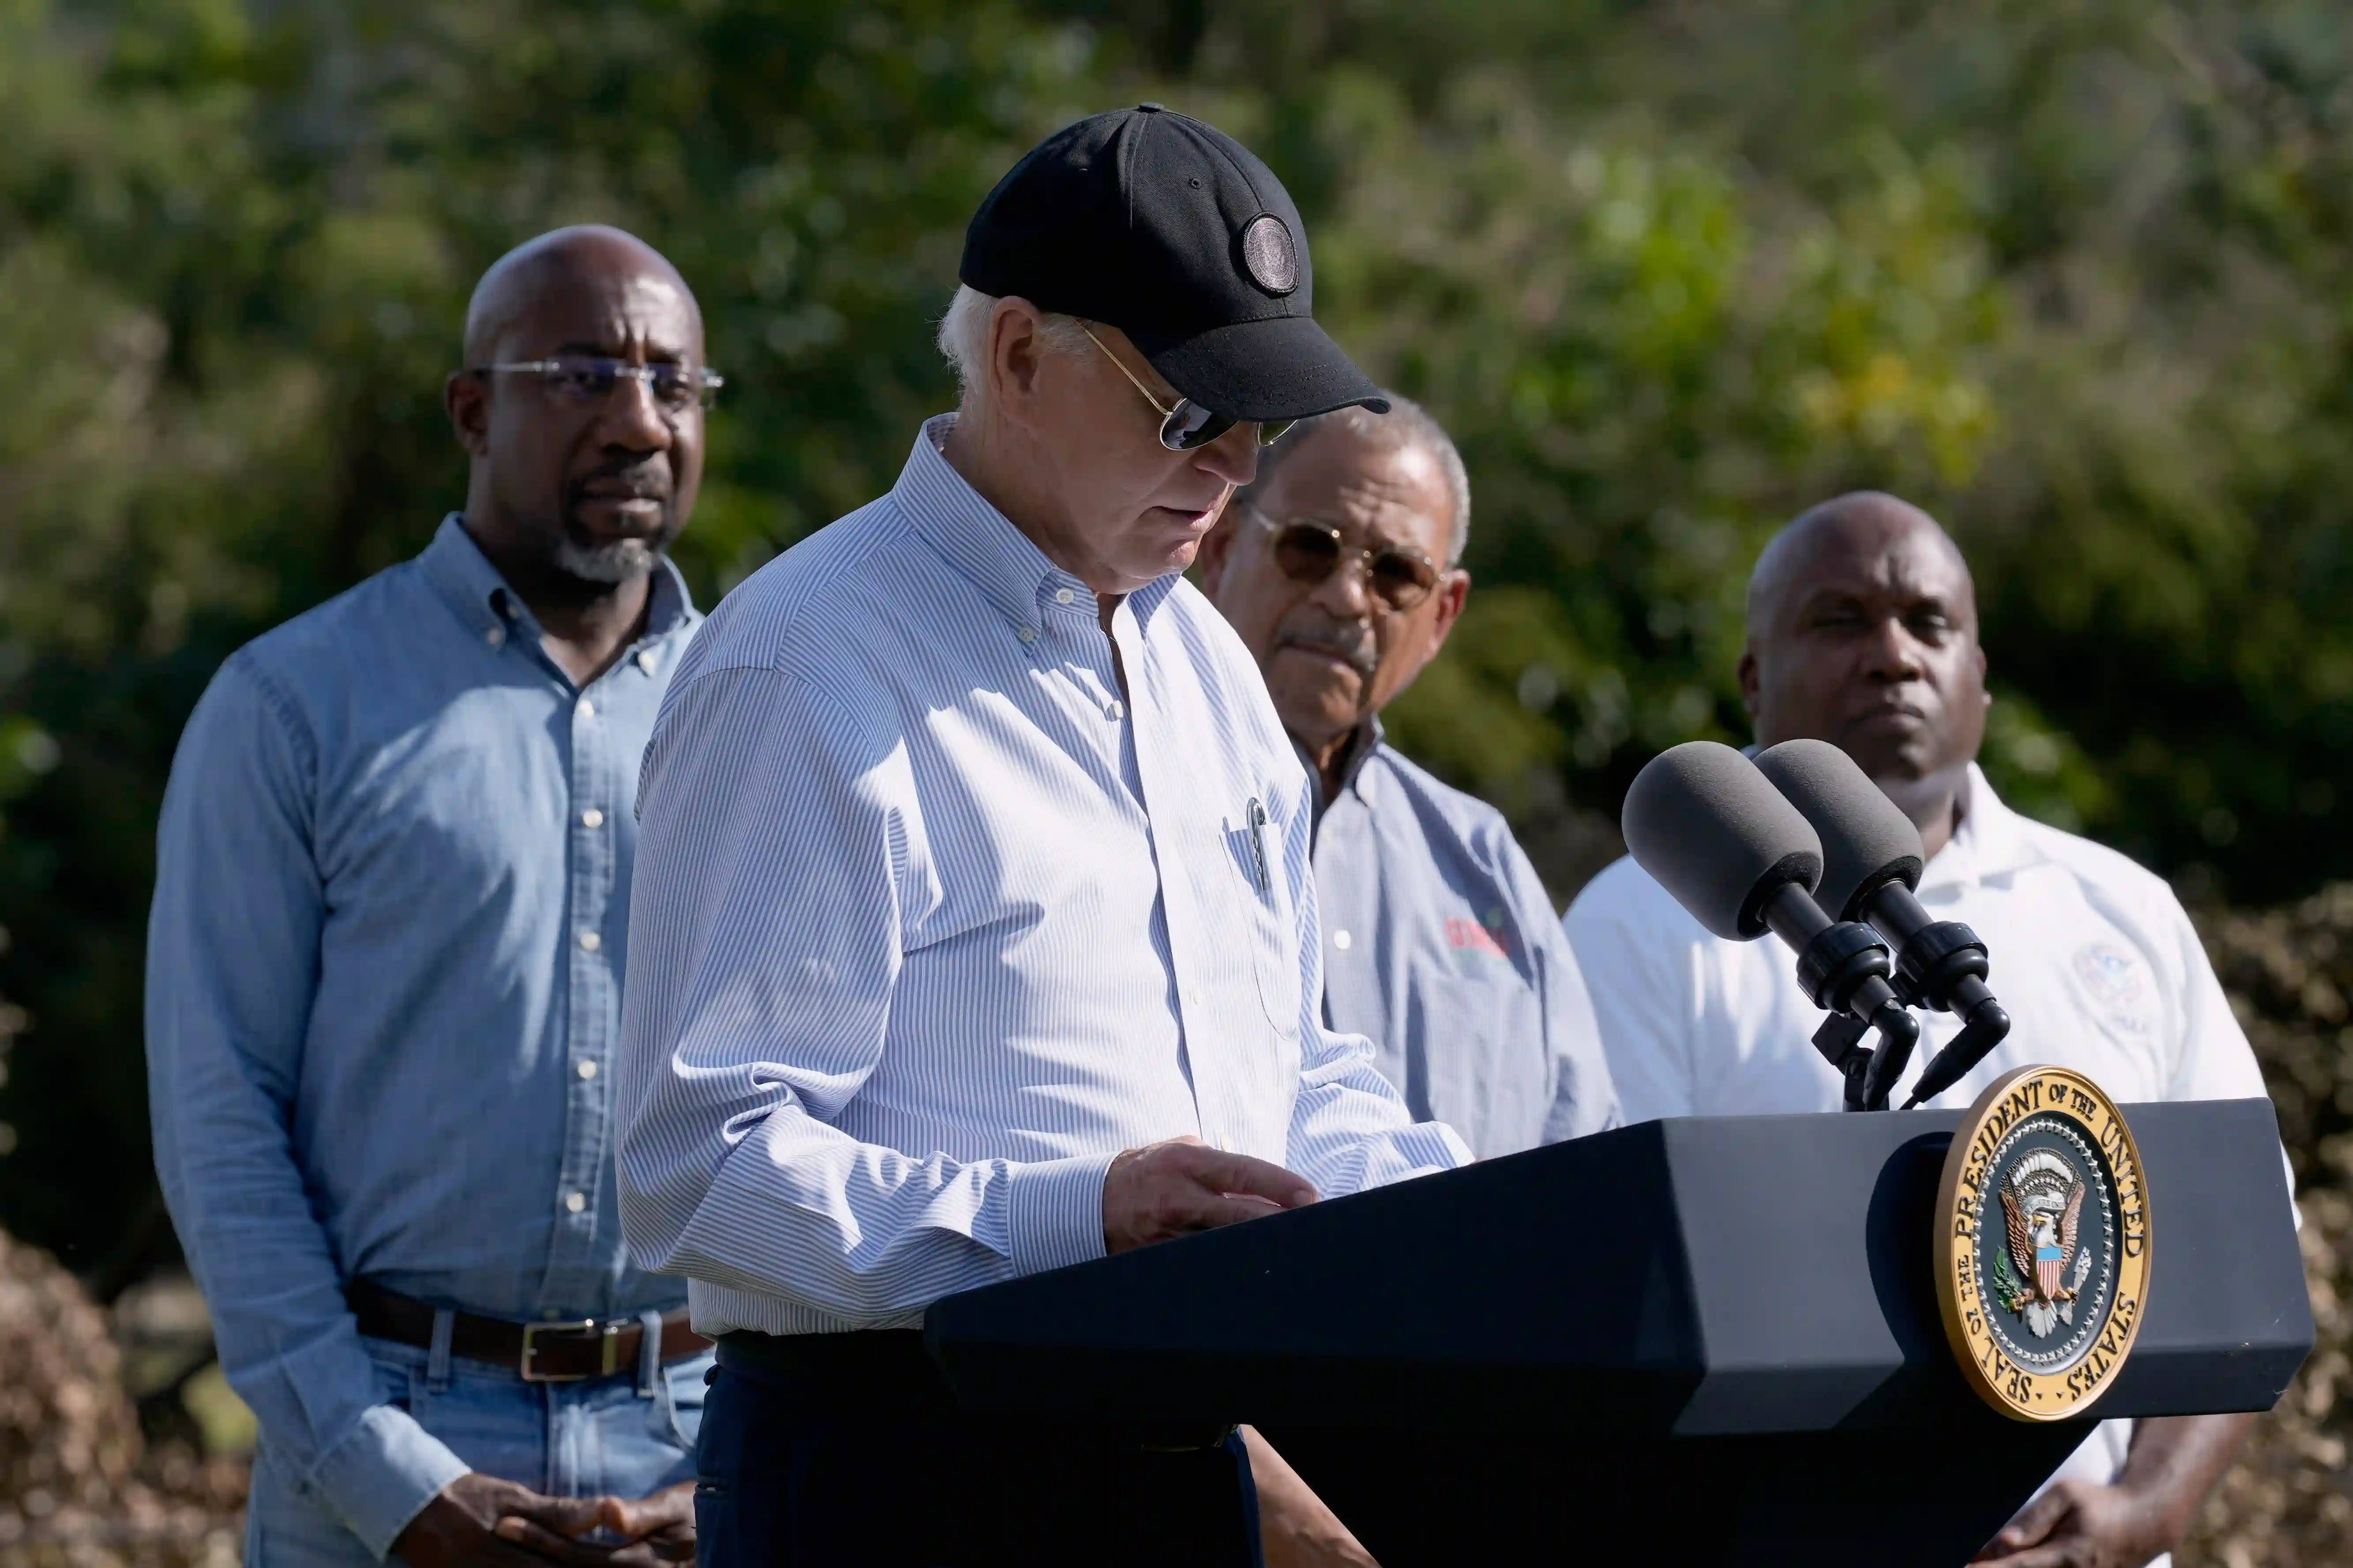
(2082, 1524)
(1175, 1188)
(1296, 1527)
(2173, 1463)
(459, 1528)
(652, 1532)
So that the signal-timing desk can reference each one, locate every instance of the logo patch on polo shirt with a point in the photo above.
(1466, 935)
(2118, 985)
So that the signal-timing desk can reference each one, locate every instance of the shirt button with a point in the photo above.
(1341, 940)
(592, 817)
(495, 636)
(647, 659)
(587, 1069)
(1063, 595)
(590, 940)
(1118, 708)
(588, 708)
(1028, 634)
(576, 1202)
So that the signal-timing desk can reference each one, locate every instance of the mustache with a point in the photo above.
(646, 477)
(1352, 646)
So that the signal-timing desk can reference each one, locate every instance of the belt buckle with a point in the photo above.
(583, 1329)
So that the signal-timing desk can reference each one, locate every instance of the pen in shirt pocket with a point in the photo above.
(1257, 844)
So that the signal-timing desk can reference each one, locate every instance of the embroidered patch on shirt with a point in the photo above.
(1469, 936)
(2118, 985)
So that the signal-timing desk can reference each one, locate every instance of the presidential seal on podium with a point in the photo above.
(2042, 1244)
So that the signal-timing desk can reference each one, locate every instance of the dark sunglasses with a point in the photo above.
(1188, 426)
(1309, 552)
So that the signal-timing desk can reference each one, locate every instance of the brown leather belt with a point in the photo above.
(540, 1352)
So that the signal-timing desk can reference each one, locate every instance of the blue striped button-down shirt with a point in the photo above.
(932, 919)
(383, 977)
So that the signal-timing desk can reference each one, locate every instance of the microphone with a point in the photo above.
(1871, 862)
(1710, 829)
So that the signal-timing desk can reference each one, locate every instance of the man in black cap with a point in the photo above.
(973, 932)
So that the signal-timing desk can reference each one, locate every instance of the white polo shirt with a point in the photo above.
(2092, 954)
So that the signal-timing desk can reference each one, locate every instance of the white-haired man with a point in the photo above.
(1341, 567)
(974, 932)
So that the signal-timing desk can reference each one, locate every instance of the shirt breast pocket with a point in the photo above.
(1264, 923)
(1479, 1049)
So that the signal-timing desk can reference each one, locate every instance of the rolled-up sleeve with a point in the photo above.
(777, 842)
(1350, 1129)
(232, 969)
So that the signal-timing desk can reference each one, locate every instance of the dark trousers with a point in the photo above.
(852, 1452)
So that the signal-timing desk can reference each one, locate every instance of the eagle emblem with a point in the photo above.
(2043, 1300)
(2042, 1202)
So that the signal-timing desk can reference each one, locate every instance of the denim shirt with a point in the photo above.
(384, 976)
(1440, 944)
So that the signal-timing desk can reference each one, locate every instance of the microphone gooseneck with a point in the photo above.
(1871, 862)
(1843, 967)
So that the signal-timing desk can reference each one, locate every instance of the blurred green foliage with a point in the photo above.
(2071, 274)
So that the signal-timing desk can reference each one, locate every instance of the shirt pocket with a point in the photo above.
(1477, 1046)
(1262, 921)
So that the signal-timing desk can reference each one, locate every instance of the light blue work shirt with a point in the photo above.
(1441, 945)
(949, 897)
(384, 973)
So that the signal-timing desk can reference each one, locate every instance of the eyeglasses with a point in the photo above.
(1309, 552)
(578, 378)
(1188, 426)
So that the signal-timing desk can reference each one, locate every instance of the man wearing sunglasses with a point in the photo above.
(1340, 568)
(974, 934)
(384, 972)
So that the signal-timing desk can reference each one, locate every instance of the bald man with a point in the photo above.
(384, 973)
(1862, 631)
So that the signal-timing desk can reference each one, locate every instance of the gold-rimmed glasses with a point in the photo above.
(1311, 551)
(1188, 426)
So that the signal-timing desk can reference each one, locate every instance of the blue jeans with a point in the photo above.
(564, 1439)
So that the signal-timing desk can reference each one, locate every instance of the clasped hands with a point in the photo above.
(482, 1521)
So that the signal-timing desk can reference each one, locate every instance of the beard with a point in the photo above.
(622, 561)
(610, 561)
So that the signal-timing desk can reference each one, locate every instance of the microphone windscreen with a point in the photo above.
(1707, 826)
(1867, 841)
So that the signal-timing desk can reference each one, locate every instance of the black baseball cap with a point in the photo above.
(1154, 222)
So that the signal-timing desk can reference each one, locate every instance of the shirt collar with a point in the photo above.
(1988, 840)
(1369, 737)
(464, 576)
(981, 542)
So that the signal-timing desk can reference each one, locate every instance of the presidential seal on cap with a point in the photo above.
(2042, 1244)
(1176, 234)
